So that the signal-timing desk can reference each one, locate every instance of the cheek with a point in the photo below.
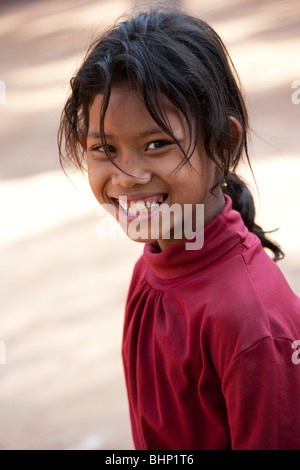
(96, 182)
(192, 185)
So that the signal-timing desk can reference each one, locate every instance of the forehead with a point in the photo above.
(126, 111)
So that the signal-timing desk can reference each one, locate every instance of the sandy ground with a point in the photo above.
(62, 287)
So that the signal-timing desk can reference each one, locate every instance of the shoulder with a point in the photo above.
(250, 289)
(251, 301)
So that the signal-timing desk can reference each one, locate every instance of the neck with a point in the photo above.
(213, 205)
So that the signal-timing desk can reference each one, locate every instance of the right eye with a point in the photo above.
(104, 149)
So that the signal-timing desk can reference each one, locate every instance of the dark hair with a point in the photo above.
(163, 53)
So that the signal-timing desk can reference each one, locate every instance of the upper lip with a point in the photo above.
(138, 196)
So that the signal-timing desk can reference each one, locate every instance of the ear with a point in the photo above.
(236, 133)
(83, 141)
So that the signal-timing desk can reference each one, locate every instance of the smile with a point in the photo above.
(141, 205)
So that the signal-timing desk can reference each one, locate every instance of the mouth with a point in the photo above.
(140, 206)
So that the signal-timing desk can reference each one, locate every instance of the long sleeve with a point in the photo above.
(261, 390)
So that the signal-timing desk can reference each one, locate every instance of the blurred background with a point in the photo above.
(62, 288)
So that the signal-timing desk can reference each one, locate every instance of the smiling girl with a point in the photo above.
(157, 113)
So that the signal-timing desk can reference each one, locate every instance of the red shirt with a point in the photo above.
(208, 348)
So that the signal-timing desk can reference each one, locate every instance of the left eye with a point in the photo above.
(157, 144)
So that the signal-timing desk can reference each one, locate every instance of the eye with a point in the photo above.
(157, 144)
(104, 149)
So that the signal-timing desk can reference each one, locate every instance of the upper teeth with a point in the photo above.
(138, 206)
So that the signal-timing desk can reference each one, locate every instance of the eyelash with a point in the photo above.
(100, 148)
(111, 149)
(163, 142)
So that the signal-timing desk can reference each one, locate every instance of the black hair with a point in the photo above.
(167, 53)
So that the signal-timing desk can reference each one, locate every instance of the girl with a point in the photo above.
(211, 334)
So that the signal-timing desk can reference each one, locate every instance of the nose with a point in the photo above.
(129, 176)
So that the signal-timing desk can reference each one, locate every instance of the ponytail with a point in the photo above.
(242, 201)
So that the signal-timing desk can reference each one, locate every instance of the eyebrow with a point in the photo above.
(148, 132)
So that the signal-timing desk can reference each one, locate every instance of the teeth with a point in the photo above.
(139, 206)
(124, 206)
(132, 211)
(123, 203)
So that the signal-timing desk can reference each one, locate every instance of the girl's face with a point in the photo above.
(148, 158)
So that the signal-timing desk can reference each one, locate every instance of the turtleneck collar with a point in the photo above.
(224, 234)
